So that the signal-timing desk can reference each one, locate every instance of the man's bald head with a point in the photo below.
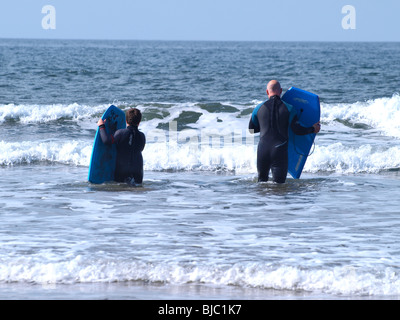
(274, 88)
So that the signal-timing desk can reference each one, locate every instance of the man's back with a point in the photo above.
(273, 118)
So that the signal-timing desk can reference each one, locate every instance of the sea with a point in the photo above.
(200, 226)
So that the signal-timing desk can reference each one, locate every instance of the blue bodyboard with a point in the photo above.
(308, 110)
(104, 157)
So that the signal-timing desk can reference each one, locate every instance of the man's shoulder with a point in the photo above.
(258, 107)
(289, 107)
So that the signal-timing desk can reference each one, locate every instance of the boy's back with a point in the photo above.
(130, 143)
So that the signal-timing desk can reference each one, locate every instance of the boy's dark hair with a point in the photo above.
(133, 117)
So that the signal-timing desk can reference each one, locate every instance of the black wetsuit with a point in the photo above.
(130, 143)
(273, 124)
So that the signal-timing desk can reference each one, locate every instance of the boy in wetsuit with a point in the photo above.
(130, 143)
(273, 124)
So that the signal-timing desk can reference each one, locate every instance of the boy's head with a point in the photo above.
(133, 117)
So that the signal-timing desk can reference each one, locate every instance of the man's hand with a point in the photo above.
(317, 127)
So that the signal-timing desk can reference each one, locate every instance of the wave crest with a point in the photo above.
(73, 152)
(382, 114)
(47, 113)
(344, 280)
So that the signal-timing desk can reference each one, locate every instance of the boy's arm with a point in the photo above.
(107, 139)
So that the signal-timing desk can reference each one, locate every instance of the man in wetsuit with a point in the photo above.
(273, 124)
(130, 143)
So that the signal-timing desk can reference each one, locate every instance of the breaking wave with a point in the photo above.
(212, 137)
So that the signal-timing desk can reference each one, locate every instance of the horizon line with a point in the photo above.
(195, 40)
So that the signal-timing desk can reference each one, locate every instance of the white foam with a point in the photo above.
(207, 120)
(240, 158)
(358, 150)
(74, 152)
(382, 114)
(340, 158)
(344, 280)
(46, 113)
(157, 156)
(204, 158)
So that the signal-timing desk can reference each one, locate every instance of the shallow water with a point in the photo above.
(317, 236)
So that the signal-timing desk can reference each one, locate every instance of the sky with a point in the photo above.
(215, 20)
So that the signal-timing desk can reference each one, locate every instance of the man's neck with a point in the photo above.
(274, 96)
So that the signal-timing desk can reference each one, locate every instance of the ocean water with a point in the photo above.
(201, 227)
